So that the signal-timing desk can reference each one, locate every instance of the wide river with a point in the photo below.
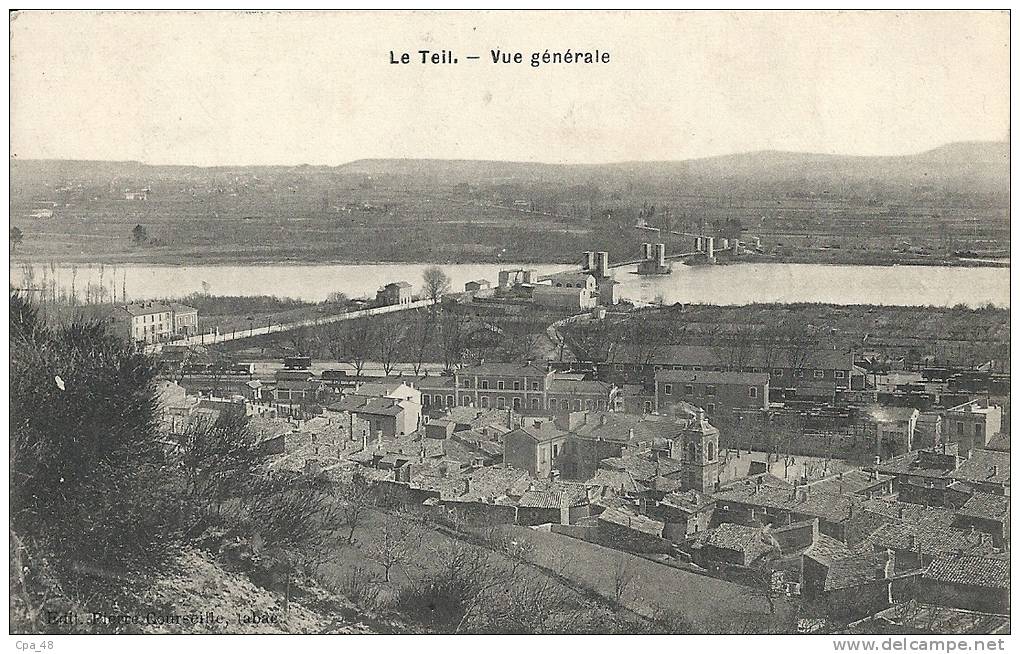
(720, 284)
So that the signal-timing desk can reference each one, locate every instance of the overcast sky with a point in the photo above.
(234, 88)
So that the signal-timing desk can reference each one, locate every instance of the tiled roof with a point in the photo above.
(828, 506)
(710, 377)
(632, 520)
(826, 549)
(431, 382)
(619, 427)
(853, 570)
(984, 466)
(502, 370)
(182, 308)
(378, 406)
(545, 431)
(496, 481)
(689, 501)
(851, 481)
(929, 538)
(970, 570)
(914, 463)
(987, 506)
(643, 467)
(619, 481)
(551, 495)
(144, 308)
(753, 542)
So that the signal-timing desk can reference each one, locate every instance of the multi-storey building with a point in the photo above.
(394, 293)
(792, 373)
(144, 322)
(971, 425)
(534, 447)
(527, 387)
(718, 393)
(185, 319)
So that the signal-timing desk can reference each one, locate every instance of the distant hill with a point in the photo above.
(973, 167)
(964, 169)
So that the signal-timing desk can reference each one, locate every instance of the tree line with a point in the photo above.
(103, 498)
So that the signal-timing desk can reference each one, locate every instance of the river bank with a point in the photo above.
(276, 256)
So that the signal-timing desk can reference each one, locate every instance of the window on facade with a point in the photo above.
(466, 383)
(959, 428)
(688, 390)
(534, 385)
(697, 368)
(465, 400)
(798, 373)
(711, 451)
(534, 403)
(778, 372)
(552, 404)
(577, 405)
(500, 385)
(485, 384)
(710, 408)
(710, 390)
(426, 401)
(517, 385)
(648, 406)
(752, 391)
(840, 374)
(485, 402)
(449, 400)
(587, 405)
(517, 402)
(556, 450)
(668, 389)
(819, 374)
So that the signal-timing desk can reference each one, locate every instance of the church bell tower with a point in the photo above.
(700, 455)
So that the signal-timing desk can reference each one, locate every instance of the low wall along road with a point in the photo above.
(213, 338)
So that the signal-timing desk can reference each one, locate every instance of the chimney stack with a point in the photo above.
(660, 254)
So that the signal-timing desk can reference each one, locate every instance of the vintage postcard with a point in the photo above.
(518, 322)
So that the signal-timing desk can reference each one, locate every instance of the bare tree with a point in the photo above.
(741, 346)
(393, 546)
(647, 340)
(302, 340)
(388, 336)
(451, 333)
(420, 336)
(436, 284)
